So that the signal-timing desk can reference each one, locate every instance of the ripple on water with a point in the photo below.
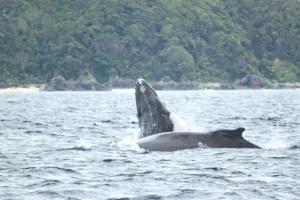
(64, 146)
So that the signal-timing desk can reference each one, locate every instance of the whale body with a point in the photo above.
(173, 141)
(158, 131)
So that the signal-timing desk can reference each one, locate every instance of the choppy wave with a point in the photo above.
(80, 146)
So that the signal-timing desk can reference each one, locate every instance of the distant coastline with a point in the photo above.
(27, 88)
(158, 86)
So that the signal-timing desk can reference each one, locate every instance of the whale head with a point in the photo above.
(152, 115)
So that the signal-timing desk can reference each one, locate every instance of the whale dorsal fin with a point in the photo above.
(234, 133)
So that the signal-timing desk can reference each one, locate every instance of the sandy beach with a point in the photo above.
(20, 89)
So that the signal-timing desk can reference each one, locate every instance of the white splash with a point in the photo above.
(277, 143)
(128, 143)
(179, 124)
(84, 144)
(137, 135)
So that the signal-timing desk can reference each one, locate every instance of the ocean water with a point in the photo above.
(78, 145)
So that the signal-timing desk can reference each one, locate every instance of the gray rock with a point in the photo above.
(117, 82)
(57, 83)
(252, 81)
(85, 82)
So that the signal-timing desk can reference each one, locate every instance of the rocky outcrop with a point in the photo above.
(250, 81)
(7, 85)
(165, 85)
(57, 83)
(198, 86)
(168, 84)
(229, 86)
(117, 82)
(253, 81)
(285, 86)
(85, 82)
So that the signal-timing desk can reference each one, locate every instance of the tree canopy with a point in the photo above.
(201, 40)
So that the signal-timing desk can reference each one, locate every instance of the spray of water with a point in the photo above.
(179, 124)
(128, 143)
(277, 141)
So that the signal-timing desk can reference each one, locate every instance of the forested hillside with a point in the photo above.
(202, 40)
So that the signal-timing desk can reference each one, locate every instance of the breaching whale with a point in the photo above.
(158, 131)
(152, 115)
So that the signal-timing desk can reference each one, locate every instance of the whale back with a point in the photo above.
(172, 141)
(228, 139)
(233, 133)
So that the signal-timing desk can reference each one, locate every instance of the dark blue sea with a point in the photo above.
(78, 145)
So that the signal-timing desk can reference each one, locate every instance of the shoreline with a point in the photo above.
(20, 89)
(163, 86)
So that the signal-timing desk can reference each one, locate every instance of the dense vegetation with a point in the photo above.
(204, 40)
